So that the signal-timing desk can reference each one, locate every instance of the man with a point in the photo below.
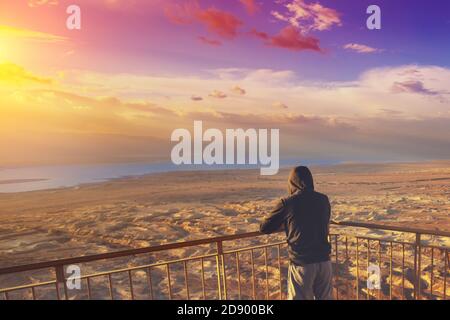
(305, 216)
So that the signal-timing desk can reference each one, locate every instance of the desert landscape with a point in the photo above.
(172, 207)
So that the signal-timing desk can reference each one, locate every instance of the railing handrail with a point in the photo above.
(191, 243)
(431, 232)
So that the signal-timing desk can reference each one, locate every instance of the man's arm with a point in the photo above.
(275, 221)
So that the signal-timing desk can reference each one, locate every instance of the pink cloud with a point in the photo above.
(308, 17)
(292, 39)
(361, 48)
(259, 34)
(210, 42)
(38, 3)
(251, 6)
(182, 13)
(220, 22)
(216, 21)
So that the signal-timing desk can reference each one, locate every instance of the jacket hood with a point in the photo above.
(300, 180)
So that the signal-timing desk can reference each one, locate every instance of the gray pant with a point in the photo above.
(311, 281)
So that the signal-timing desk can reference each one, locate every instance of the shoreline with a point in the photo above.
(339, 167)
(14, 181)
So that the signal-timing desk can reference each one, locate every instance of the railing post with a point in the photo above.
(219, 248)
(417, 266)
(337, 266)
(60, 279)
(224, 274)
(446, 260)
(357, 268)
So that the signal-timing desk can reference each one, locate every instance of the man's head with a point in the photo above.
(300, 179)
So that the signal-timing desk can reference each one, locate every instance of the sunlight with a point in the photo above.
(5, 50)
(19, 33)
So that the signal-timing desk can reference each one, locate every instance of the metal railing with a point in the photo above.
(411, 263)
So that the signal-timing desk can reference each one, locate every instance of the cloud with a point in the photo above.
(125, 4)
(107, 106)
(210, 42)
(365, 95)
(14, 74)
(391, 112)
(408, 82)
(263, 76)
(26, 34)
(218, 94)
(259, 34)
(361, 48)
(38, 3)
(290, 38)
(323, 118)
(220, 22)
(226, 25)
(196, 98)
(251, 6)
(182, 13)
(217, 21)
(412, 86)
(238, 90)
(56, 127)
(279, 105)
(308, 17)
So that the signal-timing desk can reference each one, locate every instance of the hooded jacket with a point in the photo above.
(305, 216)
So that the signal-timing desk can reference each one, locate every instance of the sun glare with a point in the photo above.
(8, 50)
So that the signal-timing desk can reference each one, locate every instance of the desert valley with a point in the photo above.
(172, 207)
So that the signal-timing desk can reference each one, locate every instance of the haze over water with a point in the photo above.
(34, 178)
(49, 177)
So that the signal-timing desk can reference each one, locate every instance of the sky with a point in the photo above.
(114, 90)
